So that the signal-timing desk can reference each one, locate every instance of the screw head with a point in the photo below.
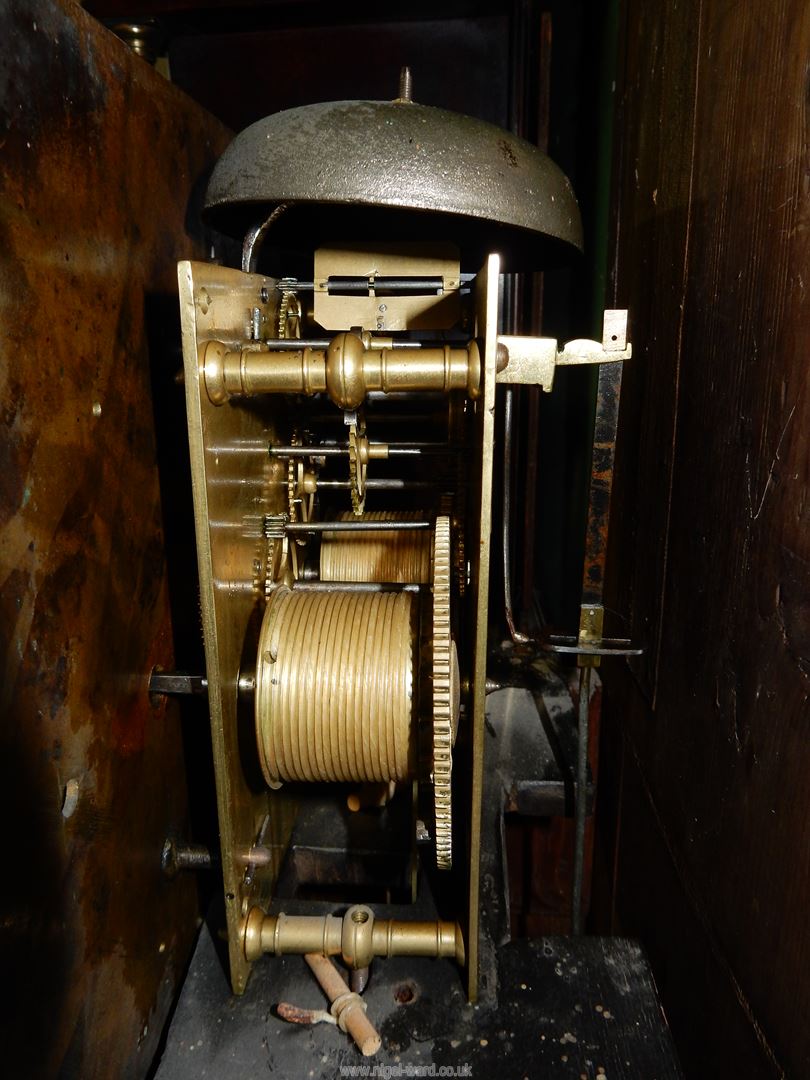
(168, 858)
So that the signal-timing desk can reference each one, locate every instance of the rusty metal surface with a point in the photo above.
(99, 158)
(398, 156)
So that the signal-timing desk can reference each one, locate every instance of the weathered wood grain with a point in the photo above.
(712, 546)
(99, 160)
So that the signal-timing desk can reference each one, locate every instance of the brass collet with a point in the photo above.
(347, 370)
(358, 937)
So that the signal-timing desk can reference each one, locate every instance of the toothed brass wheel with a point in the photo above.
(446, 694)
(358, 464)
(300, 500)
(289, 315)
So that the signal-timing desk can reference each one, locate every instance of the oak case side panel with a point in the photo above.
(721, 537)
(100, 159)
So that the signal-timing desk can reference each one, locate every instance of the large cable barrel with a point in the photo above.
(398, 556)
(335, 695)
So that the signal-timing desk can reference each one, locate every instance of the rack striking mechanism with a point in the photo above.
(341, 392)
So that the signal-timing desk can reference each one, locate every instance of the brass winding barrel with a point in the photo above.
(402, 556)
(335, 694)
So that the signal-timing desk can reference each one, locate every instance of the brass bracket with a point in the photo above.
(533, 361)
(375, 308)
(357, 937)
(576, 646)
(591, 621)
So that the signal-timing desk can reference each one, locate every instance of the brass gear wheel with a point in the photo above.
(460, 561)
(453, 506)
(293, 476)
(358, 464)
(457, 429)
(289, 315)
(299, 503)
(280, 563)
(445, 693)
